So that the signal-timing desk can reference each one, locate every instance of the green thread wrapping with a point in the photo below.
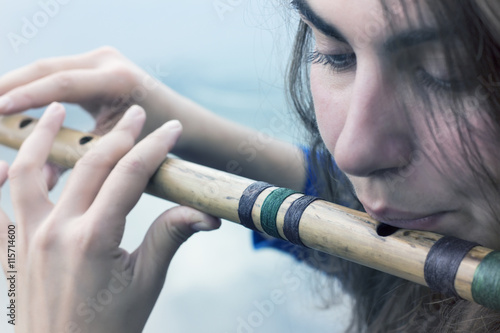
(486, 282)
(270, 208)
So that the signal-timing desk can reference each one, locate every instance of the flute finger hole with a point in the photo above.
(85, 140)
(25, 122)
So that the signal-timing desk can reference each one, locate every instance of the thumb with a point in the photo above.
(164, 238)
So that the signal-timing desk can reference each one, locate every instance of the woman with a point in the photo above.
(402, 94)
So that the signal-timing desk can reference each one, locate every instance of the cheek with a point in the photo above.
(330, 104)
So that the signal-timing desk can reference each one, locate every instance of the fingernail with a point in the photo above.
(6, 103)
(204, 226)
(172, 125)
(54, 108)
(133, 112)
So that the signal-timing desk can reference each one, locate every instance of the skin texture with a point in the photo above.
(376, 131)
(72, 274)
(105, 84)
(400, 173)
(69, 236)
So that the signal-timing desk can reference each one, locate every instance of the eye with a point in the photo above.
(430, 81)
(433, 70)
(437, 84)
(338, 62)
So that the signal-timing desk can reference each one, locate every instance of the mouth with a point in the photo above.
(407, 220)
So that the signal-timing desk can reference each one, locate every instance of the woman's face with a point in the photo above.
(406, 163)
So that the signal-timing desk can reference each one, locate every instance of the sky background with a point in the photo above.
(231, 60)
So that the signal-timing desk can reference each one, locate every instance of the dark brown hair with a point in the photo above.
(384, 303)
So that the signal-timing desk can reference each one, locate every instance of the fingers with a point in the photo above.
(52, 173)
(73, 86)
(4, 219)
(164, 238)
(28, 188)
(77, 79)
(95, 166)
(4, 168)
(42, 68)
(127, 181)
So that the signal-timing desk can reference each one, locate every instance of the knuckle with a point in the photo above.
(44, 239)
(84, 239)
(122, 73)
(173, 226)
(108, 56)
(176, 234)
(19, 169)
(64, 80)
(108, 51)
(24, 95)
(94, 159)
(42, 67)
(76, 241)
(133, 163)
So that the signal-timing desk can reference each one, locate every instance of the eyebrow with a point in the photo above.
(305, 10)
(395, 43)
(411, 38)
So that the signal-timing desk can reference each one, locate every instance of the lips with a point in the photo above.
(406, 220)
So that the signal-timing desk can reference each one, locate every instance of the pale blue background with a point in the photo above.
(234, 64)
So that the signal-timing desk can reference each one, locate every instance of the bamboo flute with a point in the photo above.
(324, 226)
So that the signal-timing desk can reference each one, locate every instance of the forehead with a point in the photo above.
(370, 21)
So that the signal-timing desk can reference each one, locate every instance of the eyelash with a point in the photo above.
(344, 62)
(338, 62)
(436, 84)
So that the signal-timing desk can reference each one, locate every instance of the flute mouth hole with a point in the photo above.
(384, 230)
(85, 140)
(25, 122)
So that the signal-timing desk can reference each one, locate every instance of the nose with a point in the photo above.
(376, 135)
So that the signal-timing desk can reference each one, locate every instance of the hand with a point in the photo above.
(103, 82)
(72, 274)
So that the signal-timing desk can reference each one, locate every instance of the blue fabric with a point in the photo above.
(260, 241)
(311, 179)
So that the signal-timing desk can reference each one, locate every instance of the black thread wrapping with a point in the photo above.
(247, 201)
(293, 216)
(442, 262)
